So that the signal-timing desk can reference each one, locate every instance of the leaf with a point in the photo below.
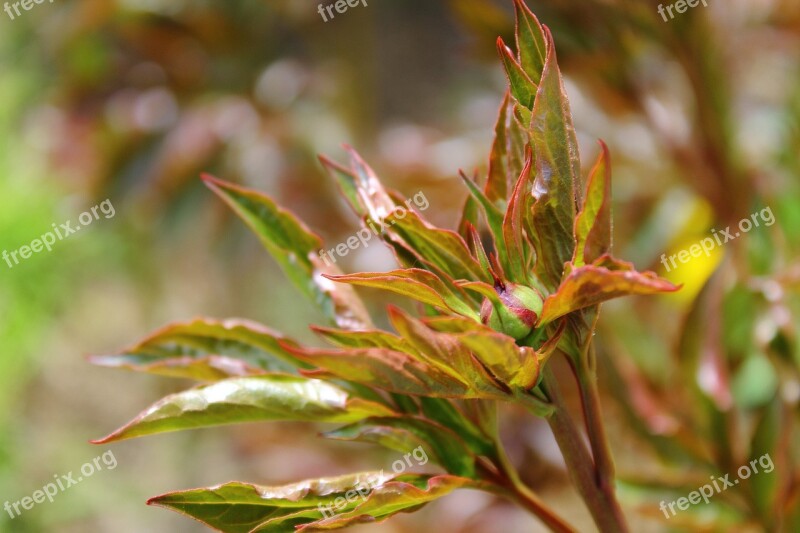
(593, 284)
(207, 350)
(362, 339)
(445, 249)
(244, 508)
(523, 88)
(447, 414)
(494, 218)
(406, 494)
(406, 434)
(447, 351)
(593, 234)
(531, 45)
(514, 224)
(555, 150)
(295, 248)
(415, 283)
(396, 371)
(497, 184)
(254, 399)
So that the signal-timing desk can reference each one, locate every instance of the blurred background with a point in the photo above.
(130, 101)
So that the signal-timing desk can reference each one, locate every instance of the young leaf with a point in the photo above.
(406, 434)
(593, 284)
(531, 46)
(395, 371)
(254, 399)
(593, 224)
(405, 494)
(523, 88)
(443, 248)
(555, 151)
(415, 283)
(309, 505)
(294, 247)
(207, 350)
(243, 507)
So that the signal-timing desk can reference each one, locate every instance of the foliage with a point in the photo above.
(519, 283)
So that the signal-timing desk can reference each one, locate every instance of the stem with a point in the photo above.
(590, 398)
(581, 468)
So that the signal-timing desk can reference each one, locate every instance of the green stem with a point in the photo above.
(590, 399)
(581, 467)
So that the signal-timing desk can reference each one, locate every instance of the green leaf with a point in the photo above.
(406, 494)
(523, 88)
(254, 399)
(531, 45)
(593, 284)
(498, 183)
(445, 249)
(447, 351)
(295, 248)
(207, 350)
(555, 150)
(304, 506)
(406, 434)
(362, 339)
(515, 221)
(399, 372)
(593, 225)
(494, 218)
(415, 283)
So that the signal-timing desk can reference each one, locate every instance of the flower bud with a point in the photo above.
(518, 312)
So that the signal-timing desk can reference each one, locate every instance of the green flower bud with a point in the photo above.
(518, 313)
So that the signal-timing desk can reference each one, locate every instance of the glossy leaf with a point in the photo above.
(406, 434)
(404, 494)
(523, 88)
(593, 224)
(272, 397)
(304, 506)
(443, 248)
(531, 45)
(557, 168)
(593, 284)
(207, 350)
(415, 283)
(295, 248)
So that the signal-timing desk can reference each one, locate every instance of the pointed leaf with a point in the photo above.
(557, 172)
(593, 284)
(304, 506)
(498, 184)
(295, 249)
(406, 494)
(593, 224)
(531, 45)
(522, 87)
(443, 248)
(208, 350)
(272, 397)
(415, 283)
(407, 434)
